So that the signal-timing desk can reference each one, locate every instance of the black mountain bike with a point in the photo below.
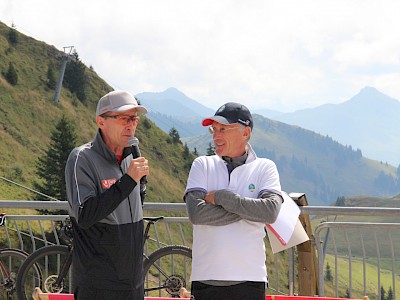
(10, 261)
(166, 270)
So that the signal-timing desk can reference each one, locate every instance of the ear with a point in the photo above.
(100, 121)
(247, 132)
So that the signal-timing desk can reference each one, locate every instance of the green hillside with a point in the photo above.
(314, 164)
(28, 115)
(319, 166)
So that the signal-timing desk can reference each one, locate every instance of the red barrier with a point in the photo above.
(44, 296)
(157, 298)
(71, 297)
(268, 297)
(283, 297)
(61, 296)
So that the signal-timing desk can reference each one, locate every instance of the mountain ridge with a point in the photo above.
(321, 172)
(308, 162)
(366, 121)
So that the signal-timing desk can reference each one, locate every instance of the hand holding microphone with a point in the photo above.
(139, 168)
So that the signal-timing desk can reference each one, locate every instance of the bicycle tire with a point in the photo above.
(49, 260)
(166, 270)
(11, 260)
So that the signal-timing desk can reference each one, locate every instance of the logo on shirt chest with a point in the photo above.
(107, 183)
(252, 187)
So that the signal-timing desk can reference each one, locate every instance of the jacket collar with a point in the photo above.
(100, 147)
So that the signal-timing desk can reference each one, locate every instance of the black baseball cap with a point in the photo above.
(231, 113)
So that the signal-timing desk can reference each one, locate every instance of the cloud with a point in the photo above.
(282, 55)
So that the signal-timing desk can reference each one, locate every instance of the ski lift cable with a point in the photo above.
(29, 189)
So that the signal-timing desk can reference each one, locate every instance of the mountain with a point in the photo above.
(268, 113)
(307, 161)
(173, 102)
(314, 164)
(368, 121)
(172, 108)
(28, 115)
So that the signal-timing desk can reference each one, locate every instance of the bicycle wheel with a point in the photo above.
(167, 270)
(49, 260)
(10, 262)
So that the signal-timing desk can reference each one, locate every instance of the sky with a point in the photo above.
(282, 55)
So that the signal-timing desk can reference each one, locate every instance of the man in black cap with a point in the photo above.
(230, 197)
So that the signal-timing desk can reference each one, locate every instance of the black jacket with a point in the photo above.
(106, 211)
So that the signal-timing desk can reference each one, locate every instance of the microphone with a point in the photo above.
(134, 143)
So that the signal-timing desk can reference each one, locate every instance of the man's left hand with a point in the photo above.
(210, 198)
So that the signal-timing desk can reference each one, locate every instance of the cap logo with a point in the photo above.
(247, 122)
(221, 108)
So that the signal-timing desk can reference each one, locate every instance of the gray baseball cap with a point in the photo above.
(117, 101)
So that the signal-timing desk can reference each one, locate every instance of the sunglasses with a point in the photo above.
(221, 130)
(123, 120)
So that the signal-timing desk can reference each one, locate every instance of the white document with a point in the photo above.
(299, 236)
(285, 223)
(287, 231)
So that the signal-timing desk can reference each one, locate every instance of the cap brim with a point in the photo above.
(219, 119)
(139, 108)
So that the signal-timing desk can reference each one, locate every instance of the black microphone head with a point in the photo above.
(133, 141)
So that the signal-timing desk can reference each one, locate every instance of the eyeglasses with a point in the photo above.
(124, 120)
(222, 130)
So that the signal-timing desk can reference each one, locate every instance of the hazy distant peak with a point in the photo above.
(173, 102)
(171, 91)
(370, 94)
(369, 89)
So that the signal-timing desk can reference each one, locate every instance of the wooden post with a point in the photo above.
(307, 254)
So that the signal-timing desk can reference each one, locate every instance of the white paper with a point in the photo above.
(284, 225)
(299, 236)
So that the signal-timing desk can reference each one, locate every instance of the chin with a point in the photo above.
(219, 153)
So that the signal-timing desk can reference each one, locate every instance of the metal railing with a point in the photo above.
(30, 232)
(334, 241)
(355, 250)
(357, 245)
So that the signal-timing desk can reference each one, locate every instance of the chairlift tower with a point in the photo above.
(65, 57)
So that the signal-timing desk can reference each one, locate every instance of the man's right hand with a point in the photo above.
(138, 168)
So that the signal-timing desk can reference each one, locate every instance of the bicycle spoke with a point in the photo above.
(50, 261)
(10, 262)
(167, 270)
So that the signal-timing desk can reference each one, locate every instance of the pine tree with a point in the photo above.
(390, 294)
(340, 201)
(186, 152)
(328, 273)
(13, 35)
(210, 150)
(174, 134)
(50, 167)
(11, 75)
(383, 293)
(75, 77)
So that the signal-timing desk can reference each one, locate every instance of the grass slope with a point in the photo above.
(28, 115)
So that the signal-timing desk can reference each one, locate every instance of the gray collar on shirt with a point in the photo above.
(235, 161)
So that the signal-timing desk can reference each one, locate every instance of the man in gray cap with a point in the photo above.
(230, 197)
(102, 182)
